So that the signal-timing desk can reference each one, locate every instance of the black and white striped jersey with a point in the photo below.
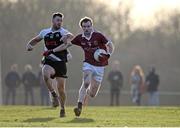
(52, 40)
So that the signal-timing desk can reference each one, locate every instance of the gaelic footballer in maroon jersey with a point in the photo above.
(96, 41)
(93, 71)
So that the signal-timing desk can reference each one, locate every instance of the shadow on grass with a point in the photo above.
(39, 119)
(80, 120)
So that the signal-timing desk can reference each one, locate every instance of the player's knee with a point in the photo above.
(61, 89)
(47, 73)
(92, 95)
(46, 76)
(86, 84)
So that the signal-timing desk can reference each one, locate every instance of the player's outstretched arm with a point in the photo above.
(62, 47)
(67, 37)
(57, 49)
(33, 42)
(67, 43)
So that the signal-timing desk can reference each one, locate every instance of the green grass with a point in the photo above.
(91, 116)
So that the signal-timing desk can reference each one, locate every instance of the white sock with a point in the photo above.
(82, 93)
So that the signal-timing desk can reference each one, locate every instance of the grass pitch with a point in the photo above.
(32, 116)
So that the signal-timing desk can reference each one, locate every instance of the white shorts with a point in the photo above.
(97, 72)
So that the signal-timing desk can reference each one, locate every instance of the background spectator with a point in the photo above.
(115, 79)
(29, 81)
(152, 83)
(12, 81)
(137, 84)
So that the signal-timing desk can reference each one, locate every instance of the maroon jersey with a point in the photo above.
(96, 41)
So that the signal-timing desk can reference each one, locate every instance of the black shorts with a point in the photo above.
(59, 67)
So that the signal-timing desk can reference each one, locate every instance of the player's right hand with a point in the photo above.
(103, 57)
(29, 47)
(48, 52)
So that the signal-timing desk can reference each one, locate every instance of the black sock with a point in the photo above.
(54, 94)
(80, 105)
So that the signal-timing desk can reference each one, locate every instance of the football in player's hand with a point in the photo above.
(103, 57)
(100, 55)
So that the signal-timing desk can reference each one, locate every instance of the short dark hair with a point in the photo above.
(85, 19)
(57, 14)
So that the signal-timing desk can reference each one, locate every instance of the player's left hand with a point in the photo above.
(29, 47)
(48, 52)
(104, 57)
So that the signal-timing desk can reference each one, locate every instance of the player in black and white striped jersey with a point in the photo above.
(54, 62)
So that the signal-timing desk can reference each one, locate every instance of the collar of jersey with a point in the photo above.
(55, 30)
(88, 38)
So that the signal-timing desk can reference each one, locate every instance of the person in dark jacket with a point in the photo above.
(152, 82)
(29, 81)
(115, 79)
(12, 81)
